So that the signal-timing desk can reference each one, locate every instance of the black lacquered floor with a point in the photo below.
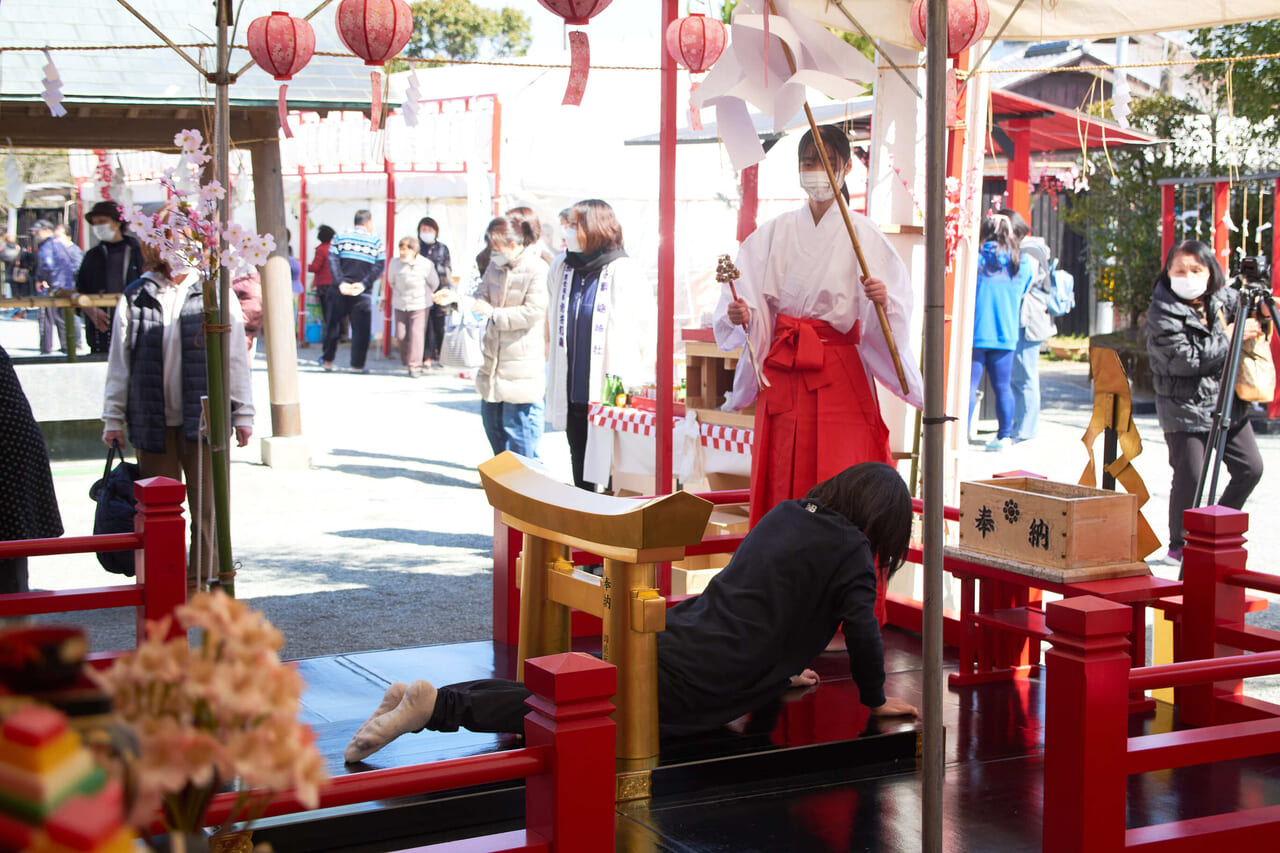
(812, 774)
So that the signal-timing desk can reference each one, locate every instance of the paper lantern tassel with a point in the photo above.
(579, 67)
(695, 114)
(375, 100)
(282, 109)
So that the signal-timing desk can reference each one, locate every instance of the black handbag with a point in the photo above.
(114, 496)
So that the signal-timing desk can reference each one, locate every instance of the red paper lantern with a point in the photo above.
(375, 31)
(281, 45)
(577, 13)
(696, 42)
(966, 23)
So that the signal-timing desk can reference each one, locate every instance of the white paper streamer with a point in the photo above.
(52, 87)
(15, 187)
(410, 106)
(823, 62)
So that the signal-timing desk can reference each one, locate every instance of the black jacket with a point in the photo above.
(801, 573)
(92, 277)
(28, 504)
(1187, 358)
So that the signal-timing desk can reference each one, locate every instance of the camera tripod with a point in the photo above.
(1253, 296)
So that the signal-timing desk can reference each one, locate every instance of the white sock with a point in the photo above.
(410, 713)
(390, 700)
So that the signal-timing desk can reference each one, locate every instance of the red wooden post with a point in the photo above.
(1167, 220)
(507, 543)
(1018, 174)
(1221, 236)
(162, 562)
(571, 805)
(1214, 550)
(1086, 725)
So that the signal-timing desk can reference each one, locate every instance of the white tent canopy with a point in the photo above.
(1040, 20)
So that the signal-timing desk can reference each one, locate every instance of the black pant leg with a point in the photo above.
(575, 430)
(487, 705)
(1186, 455)
(13, 575)
(333, 322)
(1244, 462)
(360, 311)
(434, 338)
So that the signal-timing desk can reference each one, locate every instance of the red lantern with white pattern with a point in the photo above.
(576, 13)
(696, 42)
(966, 23)
(375, 31)
(281, 45)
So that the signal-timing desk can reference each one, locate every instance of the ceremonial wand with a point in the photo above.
(848, 222)
(726, 272)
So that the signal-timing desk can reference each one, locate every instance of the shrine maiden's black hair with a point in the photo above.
(873, 496)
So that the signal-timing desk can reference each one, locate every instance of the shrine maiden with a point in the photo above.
(809, 313)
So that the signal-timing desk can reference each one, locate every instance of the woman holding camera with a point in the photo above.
(1189, 327)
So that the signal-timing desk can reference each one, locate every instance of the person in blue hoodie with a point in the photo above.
(1003, 276)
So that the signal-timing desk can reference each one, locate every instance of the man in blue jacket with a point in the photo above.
(356, 259)
(55, 271)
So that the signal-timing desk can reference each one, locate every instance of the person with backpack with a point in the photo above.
(1003, 277)
(1035, 327)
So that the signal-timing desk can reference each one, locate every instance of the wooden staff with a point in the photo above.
(844, 212)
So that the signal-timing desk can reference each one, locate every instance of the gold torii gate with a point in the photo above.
(632, 535)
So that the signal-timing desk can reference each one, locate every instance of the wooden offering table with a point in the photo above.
(1007, 596)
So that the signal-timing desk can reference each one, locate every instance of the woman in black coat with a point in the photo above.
(28, 505)
(1189, 326)
(430, 247)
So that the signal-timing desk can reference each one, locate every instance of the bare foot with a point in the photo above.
(410, 713)
(807, 678)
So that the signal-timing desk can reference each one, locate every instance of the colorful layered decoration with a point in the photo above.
(42, 765)
(91, 824)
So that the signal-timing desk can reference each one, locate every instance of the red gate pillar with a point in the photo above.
(1214, 550)
(1221, 236)
(1167, 203)
(1086, 725)
(665, 407)
(391, 253)
(1019, 169)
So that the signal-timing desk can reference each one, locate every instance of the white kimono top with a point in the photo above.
(791, 266)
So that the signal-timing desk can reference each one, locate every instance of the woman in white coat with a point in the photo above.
(601, 324)
(513, 296)
(412, 278)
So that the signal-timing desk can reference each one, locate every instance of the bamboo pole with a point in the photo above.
(217, 318)
(848, 221)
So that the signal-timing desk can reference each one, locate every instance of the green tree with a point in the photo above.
(1253, 82)
(1119, 216)
(461, 29)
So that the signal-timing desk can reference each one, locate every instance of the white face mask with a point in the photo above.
(817, 186)
(427, 237)
(1189, 287)
(104, 233)
(499, 259)
(571, 239)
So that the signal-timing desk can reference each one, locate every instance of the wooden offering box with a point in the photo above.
(1054, 525)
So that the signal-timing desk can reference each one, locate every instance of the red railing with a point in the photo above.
(1088, 755)
(567, 765)
(1212, 616)
(159, 540)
